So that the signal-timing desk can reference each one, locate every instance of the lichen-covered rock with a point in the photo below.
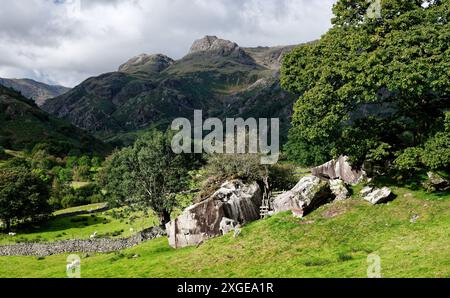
(307, 195)
(227, 225)
(379, 195)
(219, 47)
(234, 201)
(339, 169)
(435, 182)
(146, 63)
(196, 224)
(339, 189)
(366, 190)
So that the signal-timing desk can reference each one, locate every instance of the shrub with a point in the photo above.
(236, 166)
(72, 200)
(282, 177)
(409, 159)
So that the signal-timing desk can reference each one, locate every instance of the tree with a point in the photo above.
(23, 196)
(2, 151)
(147, 175)
(371, 85)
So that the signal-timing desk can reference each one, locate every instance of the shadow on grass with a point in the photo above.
(413, 183)
(61, 224)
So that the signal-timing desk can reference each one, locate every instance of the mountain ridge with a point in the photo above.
(216, 76)
(37, 91)
(23, 125)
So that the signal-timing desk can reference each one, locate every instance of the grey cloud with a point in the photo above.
(50, 40)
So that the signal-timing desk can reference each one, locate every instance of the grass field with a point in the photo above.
(82, 227)
(333, 241)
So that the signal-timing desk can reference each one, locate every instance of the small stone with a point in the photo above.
(414, 218)
(378, 196)
(366, 190)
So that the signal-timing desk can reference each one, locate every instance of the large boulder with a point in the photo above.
(196, 224)
(234, 203)
(377, 195)
(339, 169)
(339, 189)
(435, 182)
(307, 195)
(241, 202)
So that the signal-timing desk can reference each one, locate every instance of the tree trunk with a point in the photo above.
(8, 225)
(164, 218)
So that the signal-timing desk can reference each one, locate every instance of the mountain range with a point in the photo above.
(217, 76)
(23, 125)
(37, 91)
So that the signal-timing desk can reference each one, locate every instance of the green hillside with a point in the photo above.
(333, 241)
(23, 125)
(37, 91)
(151, 91)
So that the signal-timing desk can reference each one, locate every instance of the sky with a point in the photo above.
(66, 41)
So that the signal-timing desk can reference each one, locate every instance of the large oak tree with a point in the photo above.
(371, 87)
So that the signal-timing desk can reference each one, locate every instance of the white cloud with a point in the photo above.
(51, 41)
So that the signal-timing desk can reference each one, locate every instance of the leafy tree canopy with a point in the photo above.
(23, 196)
(147, 175)
(371, 87)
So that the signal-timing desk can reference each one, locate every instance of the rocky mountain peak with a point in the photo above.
(146, 63)
(213, 44)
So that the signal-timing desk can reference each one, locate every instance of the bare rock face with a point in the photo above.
(215, 46)
(307, 195)
(378, 195)
(227, 225)
(366, 190)
(339, 189)
(234, 203)
(146, 63)
(212, 43)
(241, 201)
(339, 169)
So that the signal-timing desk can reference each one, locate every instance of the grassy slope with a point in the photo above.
(23, 124)
(317, 246)
(81, 227)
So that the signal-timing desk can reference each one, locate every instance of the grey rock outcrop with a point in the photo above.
(366, 190)
(146, 63)
(378, 195)
(234, 201)
(307, 195)
(339, 189)
(220, 47)
(227, 225)
(103, 245)
(435, 182)
(213, 43)
(339, 169)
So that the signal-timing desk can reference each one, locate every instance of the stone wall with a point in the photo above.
(103, 245)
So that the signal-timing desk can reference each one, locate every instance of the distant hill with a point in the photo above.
(37, 91)
(23, 124)
(217, 76)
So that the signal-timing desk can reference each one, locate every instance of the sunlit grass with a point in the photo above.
(333, 241)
